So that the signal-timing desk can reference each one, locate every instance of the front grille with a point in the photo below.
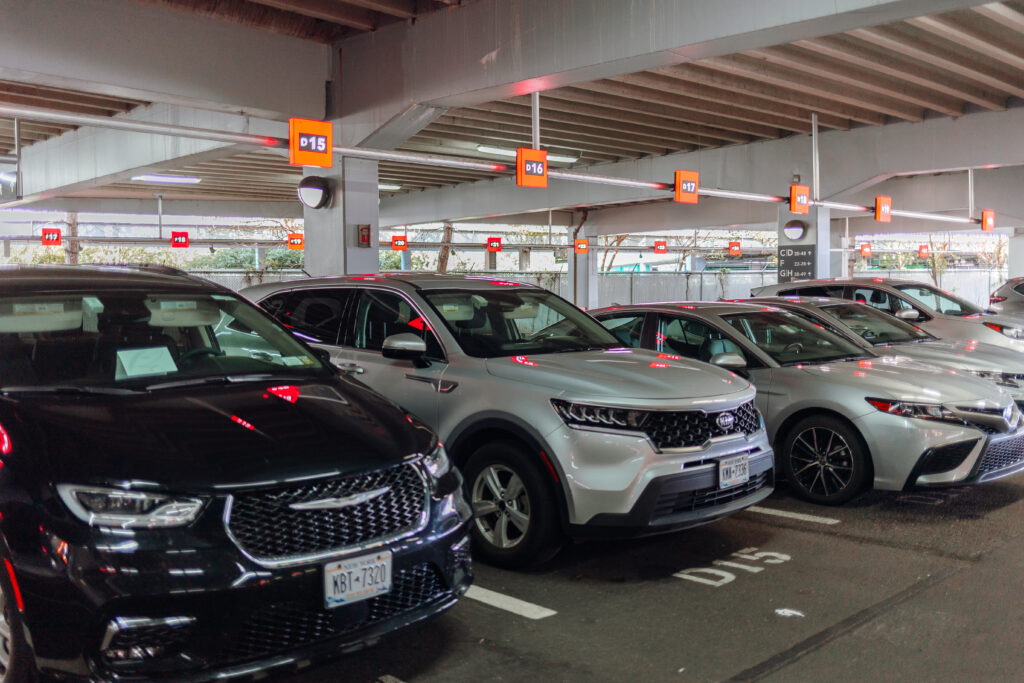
(280, 627)
(267, 528)
(1002, 454)
(692, 428)
(689, 501)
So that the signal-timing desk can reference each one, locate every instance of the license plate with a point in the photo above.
(733, 471)
(359, 578)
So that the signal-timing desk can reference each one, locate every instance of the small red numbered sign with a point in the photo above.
(735, 249)
(883, 209)
(295, 240)
(988, 220)
(922, 251)
(179, 240)
(51, 237)
(493, 244)
(865, 250)
(660, 246)
(799, 199)
(399, 244)
(582, 246)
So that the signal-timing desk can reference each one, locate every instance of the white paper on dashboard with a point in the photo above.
(155, 360)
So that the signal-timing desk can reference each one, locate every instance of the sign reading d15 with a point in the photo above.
(310, 143)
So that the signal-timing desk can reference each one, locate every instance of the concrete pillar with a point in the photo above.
(583, 274)
(804, 253)
(490, 260)
(332, 233)
(1015, 254)
(839, 260)
(406, 257)
(524, 259)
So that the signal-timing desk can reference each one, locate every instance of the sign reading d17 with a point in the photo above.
(799, 199)
(179, 240)
(531, 167)
(687, 184)
(310, 143)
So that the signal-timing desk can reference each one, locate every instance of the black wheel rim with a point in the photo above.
(821, 461)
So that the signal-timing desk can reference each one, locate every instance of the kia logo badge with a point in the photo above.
(726, 421)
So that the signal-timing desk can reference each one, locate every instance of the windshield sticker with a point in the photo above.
(32, 309)
(296, 360)
(144, 362)
(178, 305)
(91, 309)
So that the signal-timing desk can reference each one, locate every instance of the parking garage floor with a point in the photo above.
(926, 584)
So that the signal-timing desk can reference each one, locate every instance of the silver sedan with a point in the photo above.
(842, 418)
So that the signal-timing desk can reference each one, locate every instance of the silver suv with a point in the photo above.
(558, 429)
(935, 311)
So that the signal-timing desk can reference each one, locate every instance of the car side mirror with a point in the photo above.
(322, 355)
(404, 346)
(728, 360)
(908, 314)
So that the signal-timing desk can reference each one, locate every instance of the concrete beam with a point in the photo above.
(850, 161)
(140, 51)
(711, 212)
(87, 158)
(172, 207)
(495, 49)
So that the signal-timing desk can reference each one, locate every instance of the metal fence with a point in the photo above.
(637, 288)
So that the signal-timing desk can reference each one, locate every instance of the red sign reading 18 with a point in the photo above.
(312, 143)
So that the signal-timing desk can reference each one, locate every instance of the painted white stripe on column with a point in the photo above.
(792, 515)
(509, 604)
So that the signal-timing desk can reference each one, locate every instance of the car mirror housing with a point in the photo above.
(404, 346)
(908, 314)
(728, 360)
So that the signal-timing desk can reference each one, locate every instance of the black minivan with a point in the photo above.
(189, 492)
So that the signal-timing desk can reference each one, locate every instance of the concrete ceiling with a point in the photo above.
(943, 65)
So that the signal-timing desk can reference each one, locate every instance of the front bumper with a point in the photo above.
(987, 459)
(240, 619)
(613, 480)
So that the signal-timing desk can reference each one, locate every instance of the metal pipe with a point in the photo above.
(934, 217)
(159, 214)
(607, 180)
(8, 159)
(837, 206)
(814, 154)
(17, 158)
(734, 194)
(535, 117)
(970, 192)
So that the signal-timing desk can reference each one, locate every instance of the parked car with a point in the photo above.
(181, 504)
(841, 417)
(937, 312)
(891, 336)
(1008, 298)
(558, 429)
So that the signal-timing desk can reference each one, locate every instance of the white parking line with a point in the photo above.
(792, 515)
(510, 604)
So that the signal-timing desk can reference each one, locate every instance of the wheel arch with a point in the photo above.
(783, 430)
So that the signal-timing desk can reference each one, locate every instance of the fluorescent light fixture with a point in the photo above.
(8, 177)
(502, 151)
(388, 187)
(169, 179)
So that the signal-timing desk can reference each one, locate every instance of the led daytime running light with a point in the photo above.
(582, 415)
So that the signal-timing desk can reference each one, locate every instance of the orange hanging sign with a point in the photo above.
(735, 249)
(582, 246)
(399, 244)
(687, 184)
(310, 143)
(988, 220)
(865, 250)
(883, 209)
(531, 167)
(51, 237)
(799, 199)
(296, 240)
(922, 251)
(179, 240)
(494, 244)
(660, 246)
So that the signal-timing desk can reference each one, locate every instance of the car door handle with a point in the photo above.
(352, 368)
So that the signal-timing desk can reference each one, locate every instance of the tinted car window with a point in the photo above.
(938, 300)
(790, 339)
(627, 327)
(874, 326)
(315, 314)
(1019, 288)
(129, 338)
(693, 338)
(879, 298)
(380, 314)
(827, 290)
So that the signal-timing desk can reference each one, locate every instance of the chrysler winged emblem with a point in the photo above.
(342, 502)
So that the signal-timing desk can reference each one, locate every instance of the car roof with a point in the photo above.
(810, 301)
(404, 281)
(699, 307)
(47, 279)
(851, 281)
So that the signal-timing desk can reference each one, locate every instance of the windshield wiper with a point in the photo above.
(67, 389)
(213, 379)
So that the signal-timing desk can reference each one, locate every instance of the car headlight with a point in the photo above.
(1005, 379)
(1006, 330)
(98, 506)
(923, 411)
(437, 462)
(583, 415)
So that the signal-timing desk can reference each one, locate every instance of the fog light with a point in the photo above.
(135, 639)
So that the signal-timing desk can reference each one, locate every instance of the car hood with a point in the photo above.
(901, 378)
(619, 373)
(206, 438)
(960, 354)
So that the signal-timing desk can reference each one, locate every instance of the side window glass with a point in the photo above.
(829, 290)
(876, 298)
(692, 338)
(314, 315)
(627, 328)
(380, 314)
(1019, 289)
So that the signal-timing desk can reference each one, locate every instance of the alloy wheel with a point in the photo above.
(502, 506)
(821, 461)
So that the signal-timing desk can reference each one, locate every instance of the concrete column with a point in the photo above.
(1015, 254)
(524, 259)
(332, 233)
(583, 274)
(839, 261)
(490, 260)
(804, 254)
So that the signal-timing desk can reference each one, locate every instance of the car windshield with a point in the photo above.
(513, 322)
(791, 339)
(136, 340)
(939, 301)
(874, 326)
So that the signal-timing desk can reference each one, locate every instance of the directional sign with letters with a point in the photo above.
(310, 143)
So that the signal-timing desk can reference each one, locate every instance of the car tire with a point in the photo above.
(515, 521)
(17, 664)
(825, 460)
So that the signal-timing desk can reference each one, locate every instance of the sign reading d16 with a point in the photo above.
(51, 237)
(799, 199)
(531, 167)
(310, 143)
(179, 240)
